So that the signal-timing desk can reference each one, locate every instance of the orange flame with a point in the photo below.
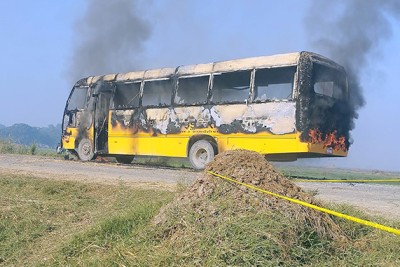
(315, 135)
(330, 140)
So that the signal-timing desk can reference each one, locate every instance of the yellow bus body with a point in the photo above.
(282, 106)
(124, 142)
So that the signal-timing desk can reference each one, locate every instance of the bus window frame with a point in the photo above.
(345, 90)
(141, 82)
(88, 93)
(175, 94)
(294, 91)
(246, 101)
(170, 104)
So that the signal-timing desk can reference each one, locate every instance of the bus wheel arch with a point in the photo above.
(201, 150)
(85, 150)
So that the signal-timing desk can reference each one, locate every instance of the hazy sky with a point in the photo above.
(40, 43)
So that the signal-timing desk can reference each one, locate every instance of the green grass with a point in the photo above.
(335, 174)
(8, 147)
(38, 217)
(59, 223)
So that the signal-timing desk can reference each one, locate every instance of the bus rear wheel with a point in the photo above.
(124, 159)
(201, 153)
(85, 150)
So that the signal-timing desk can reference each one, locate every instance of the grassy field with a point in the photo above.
(294, 172)
(336, 174)
(8, 147)
(47, 222)
(289, 171)
(58, 223)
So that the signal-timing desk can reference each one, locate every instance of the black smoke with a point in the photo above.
(108, 38)
(350, 32)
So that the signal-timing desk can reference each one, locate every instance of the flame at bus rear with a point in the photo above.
(328, 140)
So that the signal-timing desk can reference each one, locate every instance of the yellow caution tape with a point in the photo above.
(347, 181)
(328, 211)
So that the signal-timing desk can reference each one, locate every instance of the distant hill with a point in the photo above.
(26, 135)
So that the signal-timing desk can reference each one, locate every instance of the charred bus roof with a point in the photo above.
(278, 60)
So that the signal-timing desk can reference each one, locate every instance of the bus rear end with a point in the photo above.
(323, 108)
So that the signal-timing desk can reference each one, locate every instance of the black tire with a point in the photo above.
(124, 159)
(201, 153)
(85, 150)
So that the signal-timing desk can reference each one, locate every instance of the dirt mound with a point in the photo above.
(251, 168)
(213, 204)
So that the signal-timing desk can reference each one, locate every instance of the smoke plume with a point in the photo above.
(108, 38)
(349, 32)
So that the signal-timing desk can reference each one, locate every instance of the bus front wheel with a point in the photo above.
(85, 150)
(201, 153)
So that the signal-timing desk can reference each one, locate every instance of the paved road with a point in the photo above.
(381, 200)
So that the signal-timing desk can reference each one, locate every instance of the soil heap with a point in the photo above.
(228, 209)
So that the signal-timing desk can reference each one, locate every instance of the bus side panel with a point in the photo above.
(135, 133)
(264, 143)
(277, 118)
(148, 145)
(276, 144)
(267, 128)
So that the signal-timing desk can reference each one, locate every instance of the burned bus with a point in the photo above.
(284, 106)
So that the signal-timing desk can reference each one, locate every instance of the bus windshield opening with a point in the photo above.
(78, 99)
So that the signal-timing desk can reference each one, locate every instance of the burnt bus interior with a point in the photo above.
(316, 85)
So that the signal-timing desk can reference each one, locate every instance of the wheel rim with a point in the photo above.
(202, 156)
(86, 149)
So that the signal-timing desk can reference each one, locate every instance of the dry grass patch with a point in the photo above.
(39, 216)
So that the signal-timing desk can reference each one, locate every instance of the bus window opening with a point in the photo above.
(274, 84)
(78, 98)
(192, 90)
(231, 87)
(127, 95)
(157, 93)
(328, 82)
